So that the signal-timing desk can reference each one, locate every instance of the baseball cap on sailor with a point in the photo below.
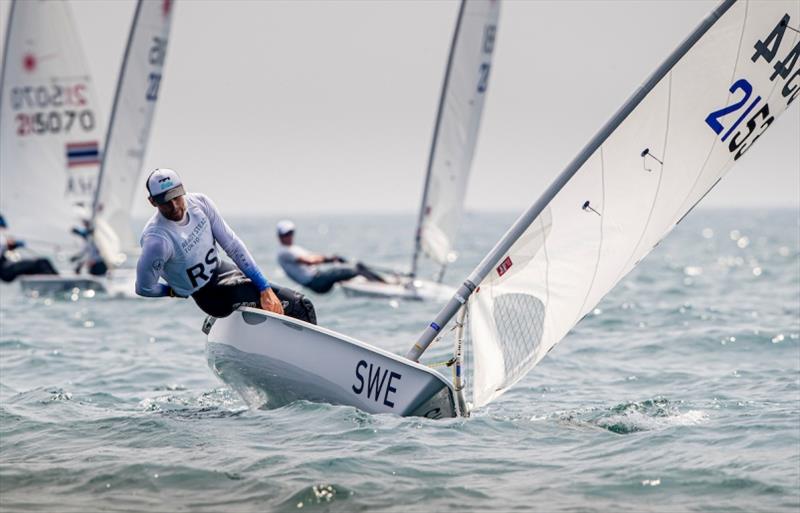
(285, 227)
(164, 185)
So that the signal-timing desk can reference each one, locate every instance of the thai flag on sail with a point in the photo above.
(83, 153)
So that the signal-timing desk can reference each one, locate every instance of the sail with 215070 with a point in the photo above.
(661, 153)
(50, 131)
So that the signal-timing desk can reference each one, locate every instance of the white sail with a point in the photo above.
(129, 129)
(659, 156)
(49, 126)
(457, 125)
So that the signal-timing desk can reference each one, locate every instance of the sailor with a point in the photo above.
(303, 266)
(89, 256)
(11, 267)
(179, 244)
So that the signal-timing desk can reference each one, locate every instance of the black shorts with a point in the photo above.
(98, 268)
(10, 270)
(325, 280)
(229, 289)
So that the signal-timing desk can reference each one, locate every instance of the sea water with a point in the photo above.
(679, 392)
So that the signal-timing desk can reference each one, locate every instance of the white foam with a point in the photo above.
(638, 421)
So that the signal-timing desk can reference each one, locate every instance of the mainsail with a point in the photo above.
(456, 131)
(663, 151)
(50, 140)
(129, 129)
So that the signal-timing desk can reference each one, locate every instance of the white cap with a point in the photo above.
(284, 227)
(164, 185)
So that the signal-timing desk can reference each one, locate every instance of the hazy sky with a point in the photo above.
(328, 106)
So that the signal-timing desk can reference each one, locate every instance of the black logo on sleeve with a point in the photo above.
(158, 265)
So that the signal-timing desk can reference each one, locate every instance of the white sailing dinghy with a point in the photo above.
(126, 142)
(646, 169)
(272, 360)
(49, 129)
(455, 135)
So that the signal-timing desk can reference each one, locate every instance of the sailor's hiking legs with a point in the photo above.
(229, 289)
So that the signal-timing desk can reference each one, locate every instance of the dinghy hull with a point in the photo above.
(273, 360)
(419, 290)
(120, 284)
(53, 284)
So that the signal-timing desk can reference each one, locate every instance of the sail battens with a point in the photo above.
(599, 257)
(728, 95)
(659, 168)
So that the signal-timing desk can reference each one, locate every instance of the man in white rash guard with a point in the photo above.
(179, 244)
(303, 266)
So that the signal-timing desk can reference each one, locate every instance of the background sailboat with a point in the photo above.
(50, 138)
(455, 135)
(644, 171)
(129, 131)
(126, 142)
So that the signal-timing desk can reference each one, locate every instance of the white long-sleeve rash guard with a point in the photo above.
(185, 255)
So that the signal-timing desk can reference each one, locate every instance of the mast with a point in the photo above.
(423, 207)
(529, 216)
(110, 130)
(440, 277)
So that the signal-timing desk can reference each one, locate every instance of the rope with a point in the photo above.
(451, 361)
(456, 325)
(448, 363)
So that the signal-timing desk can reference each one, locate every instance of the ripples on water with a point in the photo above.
(679, 392)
